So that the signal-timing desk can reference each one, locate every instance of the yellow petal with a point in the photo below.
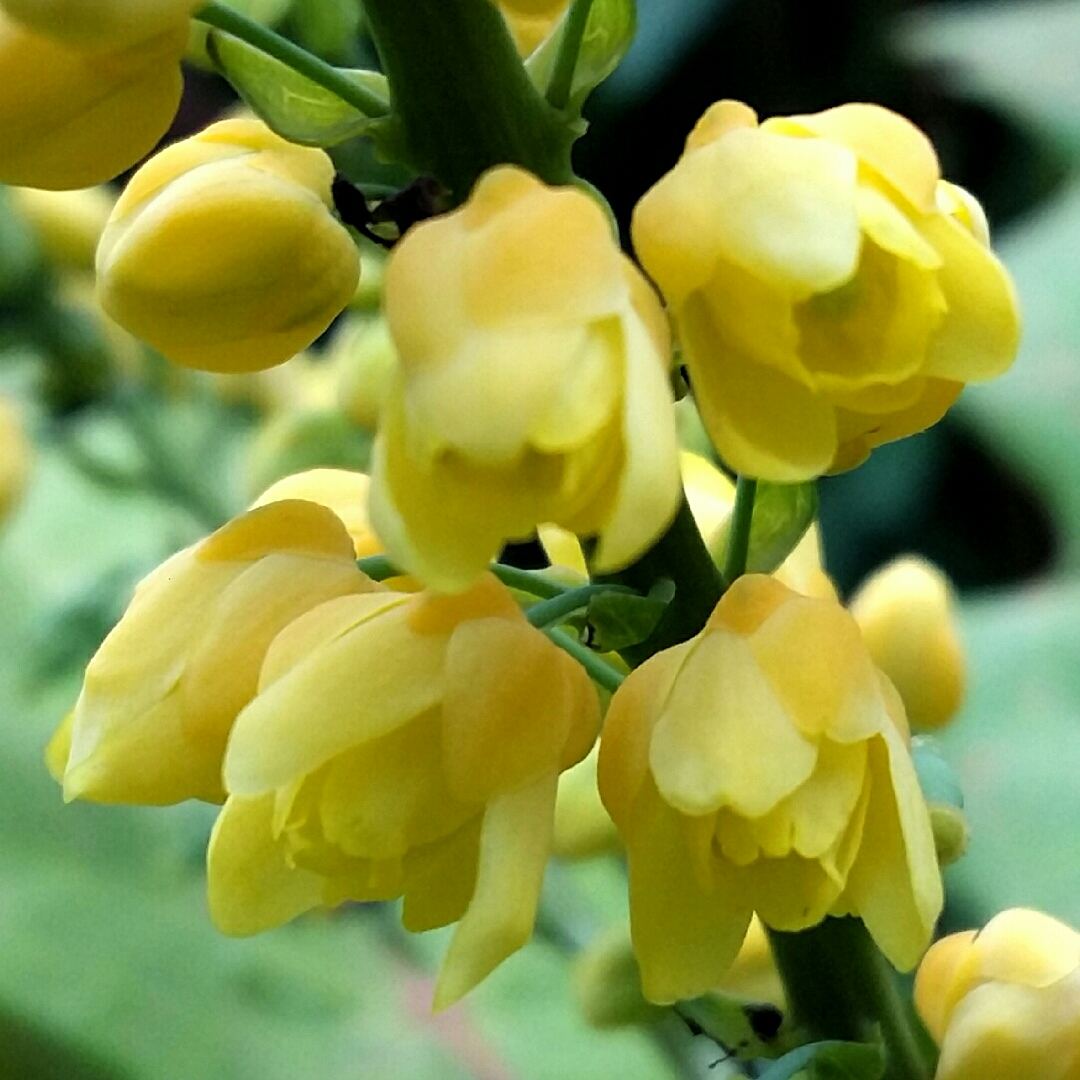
(895, 884)
(891, 145)
(717, 120)
(724, 738)
(440, 879)
(515, 842)
(782, 208)
(100, 24)
(980, 334)
(1024, 946)
(937, 989)
(251, 885)
(686, 932)
(372, 679)
(59, 749)
(709, 492)
(762, 423)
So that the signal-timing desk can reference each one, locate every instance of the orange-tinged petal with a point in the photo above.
(937, 989)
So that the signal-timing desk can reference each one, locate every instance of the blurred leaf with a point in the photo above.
(782, 514)
(609, 33)
(20, 255)
(829, 1061)
(295, 107)
(1021, 55)
(936, 777)
(620, 620)
(30, 1053)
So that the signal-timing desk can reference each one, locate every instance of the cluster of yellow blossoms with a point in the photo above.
(828, 292)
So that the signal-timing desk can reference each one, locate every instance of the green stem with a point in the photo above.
(557, 609)
(318, 71)
(600, 671)
(839, 986)
(528, 581)
(742, 516)
(562, 76)
(461, 96)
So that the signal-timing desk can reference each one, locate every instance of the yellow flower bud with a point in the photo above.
(761, 766)
(831, 293)
(68, 224)
(403, 745)
(1004, 1003)
(161, 693)
(364, 357)
(907, 615)
(15, 458)
(71, 118)
(530, 21)
(583, 828)
(101, 24)
(531, 386)
(223, 252)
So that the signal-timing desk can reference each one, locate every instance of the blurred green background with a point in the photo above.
(108, 965)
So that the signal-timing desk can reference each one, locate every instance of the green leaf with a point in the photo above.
(608, 35)
(782, 514)
(829, 1061)
(936, 777)
(291, 104)
(619, 620)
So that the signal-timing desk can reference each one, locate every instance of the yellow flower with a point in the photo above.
(762, 766)
(68, 224)
(532, 386)
(101, 24)
(530, 21)
(70, 118)
(1004, 1003)
(831, 292)
(15, 458)
(223, 252)
(906, 612)
(403, 745)
(161, 693)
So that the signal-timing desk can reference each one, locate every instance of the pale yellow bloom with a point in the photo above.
(531, 386)
(161, 693)
(71, 118)
(68, 224)
(16, 455)
(907, 614)
(1004, 1003)
(101, 24)
(224, 253)
(403, 745)
(830, 291)
(530, 21)
(763, 766)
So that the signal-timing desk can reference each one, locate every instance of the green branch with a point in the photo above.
(557, 609)
(318, 71)
(742, 516)
(599, 670)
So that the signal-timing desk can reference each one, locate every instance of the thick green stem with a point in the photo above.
(839, 986)
(557, 609)
(742, 516)
(461, 95)
(318, 71)
(562, 77)
(680, 555)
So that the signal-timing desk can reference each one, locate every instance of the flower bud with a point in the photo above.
(364, 355)
(15, 458)
(762, 767)
(531, 386)
(607, 982)
(1004, 1003)
(530, 21)
(403, 746)
(161, 693)
(831, 293)
(71, 118)
(101, 24)
(583, 828)
(906, 612)
(223, 252)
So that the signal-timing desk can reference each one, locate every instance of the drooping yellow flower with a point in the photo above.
(101, 24)
(1004, 1003)
(15, 458)
(71, 118)
(224, 253)
(830, 291)
(762, 766)
(906, 612)
(531, 388)
(403, 745)
(530, 21)
(161, 693)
